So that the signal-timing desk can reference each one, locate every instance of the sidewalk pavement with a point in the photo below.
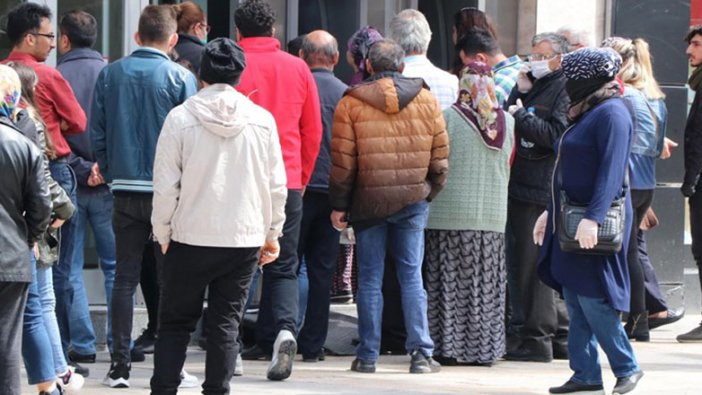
(670, 368)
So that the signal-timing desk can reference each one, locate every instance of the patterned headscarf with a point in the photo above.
(10, 92)
(478, 103)
(358, 45)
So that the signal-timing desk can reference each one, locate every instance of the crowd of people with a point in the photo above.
(441, 201)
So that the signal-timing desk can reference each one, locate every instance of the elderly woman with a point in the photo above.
(358, 46)
(465, 258)
(590, 170)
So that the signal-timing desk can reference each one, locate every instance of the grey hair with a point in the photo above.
(319, 54)
(559, 44)
(411, 31)
(385, 55)
(576, 37)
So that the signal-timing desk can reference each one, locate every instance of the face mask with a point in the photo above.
(539, 68)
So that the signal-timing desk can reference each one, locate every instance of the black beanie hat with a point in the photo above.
(222, 62)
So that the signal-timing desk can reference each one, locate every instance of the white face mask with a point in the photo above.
(539, 68)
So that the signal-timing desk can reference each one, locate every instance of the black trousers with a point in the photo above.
(279, 304)
(319, 245)
(150, 285)
(655, 301)
(187, 272)
(13, 297)
(545, 318)
(695, 203)
(640, 201)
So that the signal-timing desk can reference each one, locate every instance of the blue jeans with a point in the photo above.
(403, 234)
(592, 322)
(94, 209)
(62, 271)
(303, 289)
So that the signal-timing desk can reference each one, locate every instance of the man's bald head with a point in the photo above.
(320, 49)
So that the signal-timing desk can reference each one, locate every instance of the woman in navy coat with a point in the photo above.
(591, 167)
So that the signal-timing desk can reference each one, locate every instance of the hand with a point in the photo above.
(164, 248)
(35, 249)
(269, 252)
(587, 233)
(57, 223)
(338, 220)
(524, 84)
(668, 146)
(514, 107)
(540, 228)
(687, 189)
(95, 177)
(64, 125)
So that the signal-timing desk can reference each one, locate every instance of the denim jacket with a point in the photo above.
(647, 139)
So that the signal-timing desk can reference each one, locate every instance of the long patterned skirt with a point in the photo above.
(465, 280)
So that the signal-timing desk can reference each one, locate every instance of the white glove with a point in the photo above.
(514, 107)
(524, 84)
(587, 233)
(540, 228)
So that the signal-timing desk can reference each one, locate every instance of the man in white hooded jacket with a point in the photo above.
(219, 208)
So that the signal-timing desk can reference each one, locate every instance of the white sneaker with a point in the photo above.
(239, 367)
(70, 381)
(284, 350)
(187, 380)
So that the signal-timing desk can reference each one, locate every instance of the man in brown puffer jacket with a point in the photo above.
(389, 159)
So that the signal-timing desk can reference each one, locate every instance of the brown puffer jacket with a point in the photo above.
(389, 148)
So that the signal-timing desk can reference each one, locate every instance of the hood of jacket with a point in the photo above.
(389, 92)
(220, 109)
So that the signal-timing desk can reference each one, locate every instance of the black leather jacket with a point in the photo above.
(537, 126)
(25, 206)
(693, 146)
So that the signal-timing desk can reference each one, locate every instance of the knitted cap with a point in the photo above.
(589, 63)
(222, 62)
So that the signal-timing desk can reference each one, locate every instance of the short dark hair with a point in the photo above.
(25, 18)
(80, 28)
(254, 18)
(694, 31)
(157, 23)
(385, 55)
(477, 41)
(295, 45)
(313, 53)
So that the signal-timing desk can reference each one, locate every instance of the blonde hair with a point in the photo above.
(637, 70)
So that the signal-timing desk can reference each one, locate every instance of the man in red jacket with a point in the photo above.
(30, 30)
(282, 84)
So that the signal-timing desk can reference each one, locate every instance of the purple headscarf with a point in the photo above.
(358, 45)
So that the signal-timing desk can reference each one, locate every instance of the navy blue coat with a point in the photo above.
(81, 67)
(593, 162)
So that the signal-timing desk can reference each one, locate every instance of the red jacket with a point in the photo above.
(55, 101)
(283, 84)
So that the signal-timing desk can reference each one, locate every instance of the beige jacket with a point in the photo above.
(219, 177)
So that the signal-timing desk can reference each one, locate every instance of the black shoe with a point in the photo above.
(320, 356)
(117, 376)
(627, 384)
(56, 391)
(341, 297)
(637, 327)
(81, 358)
(137, 355)
(672, 316)
(362, 366)
(560, 350)
(445, 361)
(574, 388)
(83, 371)
(694, 336)
(255, 353)
(423, 364)
(146, 341)
(524, 354)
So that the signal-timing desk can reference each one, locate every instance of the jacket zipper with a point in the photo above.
(553, 181)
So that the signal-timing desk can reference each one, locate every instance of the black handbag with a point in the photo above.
(610, 234)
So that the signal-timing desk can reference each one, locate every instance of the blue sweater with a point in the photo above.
(593, 161)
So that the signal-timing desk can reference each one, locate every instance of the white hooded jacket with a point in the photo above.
(219, 177)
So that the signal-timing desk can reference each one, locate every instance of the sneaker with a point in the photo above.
(117, 376)
(187, 380)
(146, 341)
(55, 391)
(70, 381)
(284, 350)
(85, 372)
(627, 384)
(239, 367)
(137, 355)
(82, 358)
(571, 387)
(694, 336)
(423, 364)
(362, 366)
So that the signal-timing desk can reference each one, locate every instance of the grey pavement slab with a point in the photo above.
(670, 368)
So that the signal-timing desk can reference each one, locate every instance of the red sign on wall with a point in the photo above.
(695, 12)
